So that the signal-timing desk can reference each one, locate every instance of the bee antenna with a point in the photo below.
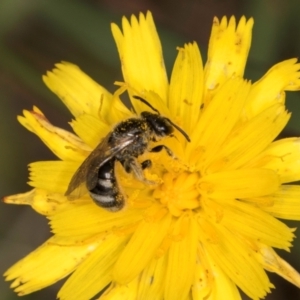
(154, 109)
(147, 103)
(180, 130)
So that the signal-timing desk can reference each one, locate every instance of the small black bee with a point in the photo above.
(127, 141)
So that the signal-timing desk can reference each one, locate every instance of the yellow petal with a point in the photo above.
(186, 87)
(52, 176)
(250, 139)
(95, 272)
(250, 221)
(140, 249)
(45, 266)
(151, 97)
(93, 219)
(141, 55)
(122, 291)
(283, 157)
(78, 91)
(220, 284)
(240, 265)
(203, 278)
(42, 201)
(227, 52)
(118, 110)
(182, 260)
(274, 263)
(62, 143)
(284, 204)
(90, 129)
(151, 281)
(269, 90)
(244, 183)
(217, 121)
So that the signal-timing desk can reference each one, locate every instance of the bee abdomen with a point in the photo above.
(106, 193)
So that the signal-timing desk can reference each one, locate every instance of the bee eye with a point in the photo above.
(162, 126)
(166, 129)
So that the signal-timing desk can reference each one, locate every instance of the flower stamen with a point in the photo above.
(178, 192)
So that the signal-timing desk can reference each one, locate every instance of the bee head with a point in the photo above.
(159, 125)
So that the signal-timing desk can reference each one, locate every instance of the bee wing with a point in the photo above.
(86, 176)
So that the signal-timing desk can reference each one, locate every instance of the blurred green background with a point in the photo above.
(36, 34)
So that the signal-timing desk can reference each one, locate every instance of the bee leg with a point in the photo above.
(137, 169)
(160, 148)
(146, 164)
(126, 165)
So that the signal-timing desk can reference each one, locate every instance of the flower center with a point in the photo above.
(178, 192)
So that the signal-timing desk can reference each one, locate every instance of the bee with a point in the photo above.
(125, 143)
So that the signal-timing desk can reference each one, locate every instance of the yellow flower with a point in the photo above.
(209, 224)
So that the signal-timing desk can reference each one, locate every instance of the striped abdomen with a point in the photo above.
(107, 193)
